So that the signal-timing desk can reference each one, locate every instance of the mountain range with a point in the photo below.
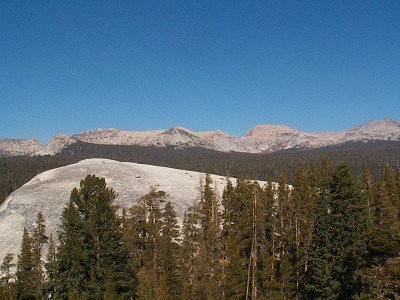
(260, 139)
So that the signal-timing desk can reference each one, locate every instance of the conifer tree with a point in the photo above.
(398, 180)
(170, 280)
(238, 233)
(340, 238)
(191, 236)
(227, 233)
(381, 276)
(92, 256)
(207, 273)
(7, 276)
(39, 239)
(135, 231)
(262, 207)
(71, 259)
(270, 286)
(286, 240)
(324, 168)
(25, 284)
(312, 175)
(153, 200)
(50, 266)
(235, 276)
(384, 235)
(149, 275)
(391, 186)
(303, 205)
(367, 186)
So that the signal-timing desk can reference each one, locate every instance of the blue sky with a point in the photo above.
(70, 66)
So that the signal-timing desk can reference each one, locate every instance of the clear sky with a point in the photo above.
(70, 66)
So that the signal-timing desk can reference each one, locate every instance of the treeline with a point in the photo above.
(16, 171)
(330, 236)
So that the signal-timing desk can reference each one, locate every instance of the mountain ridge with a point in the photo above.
(263, 138)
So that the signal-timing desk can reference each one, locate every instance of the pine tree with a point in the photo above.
(71, 259)
(391, 186)
(207, 281)
(381, 276)
(7, 277)
(238, 233)
(92, 256)
(324, 168)
(39, 239)
(367, 186)
(398, 180)
(262, 207)
(149, 209)
(269, 253)
(170, 280)
(235, 276)
(227, 233)
(340, 238)
(286, 240)
(50, 266)
(25, 284)
(303, 205)
(384, 236)
(154, 225)
(191, 236)
(135, 231)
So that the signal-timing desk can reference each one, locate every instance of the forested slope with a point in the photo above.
(329, 236)
(15, 171)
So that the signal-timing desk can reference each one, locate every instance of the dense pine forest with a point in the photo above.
(16, 171)
(330, 235)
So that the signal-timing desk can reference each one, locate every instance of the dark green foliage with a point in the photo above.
(243, 229)
(327, 237)
(25, 276)
(92, 256)
(269, 252)
(237, 233)
(191, 237)
(382, 281)
(71, 275)
(171, 286)
(208, 272)
(15, 171)
(340, 238)
(155, 233)
(39, 239)
(50, 266)
(398, 179)
(303, 203)
(384, 236)
(381, 275)
(391, 187)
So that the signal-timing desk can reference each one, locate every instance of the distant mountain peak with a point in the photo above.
(177, 130)
(259, 139)
(56, 144)
(267, 130)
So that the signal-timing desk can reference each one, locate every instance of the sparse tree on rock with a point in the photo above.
(8, 276)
